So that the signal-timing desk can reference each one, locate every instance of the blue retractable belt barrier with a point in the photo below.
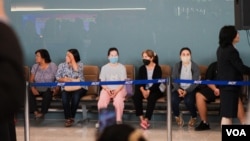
(212, 82)
(136, 82)
(88, 83)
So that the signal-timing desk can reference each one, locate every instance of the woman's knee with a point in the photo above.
(102, 103)
(198, 95)
(118, 105)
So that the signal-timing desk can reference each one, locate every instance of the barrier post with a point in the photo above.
(169, 109)
(26, 114)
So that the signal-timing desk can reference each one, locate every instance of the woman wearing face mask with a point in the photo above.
(189, 70)
(151, 91)
(68, 71)
(113, 71)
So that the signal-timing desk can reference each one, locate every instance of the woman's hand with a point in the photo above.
(55, 90)
(113, 93)
(216, 92)
(108, 91)
(145, 93)
(181, 92)
(71, 58)
(34, 91)
(184, 93)
(66, 79)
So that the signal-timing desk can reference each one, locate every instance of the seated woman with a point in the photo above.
(113, 71)
(151, 92)
(43, 71)
(208, 93)
(189, 70)
(69, 71)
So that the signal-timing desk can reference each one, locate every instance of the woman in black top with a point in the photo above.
(230, 68)
(150, 91)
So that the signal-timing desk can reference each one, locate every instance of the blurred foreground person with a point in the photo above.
(121, 132)
(12, 87)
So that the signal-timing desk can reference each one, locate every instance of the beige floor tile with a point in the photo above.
(54, 130)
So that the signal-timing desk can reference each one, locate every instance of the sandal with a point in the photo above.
(35, 113)
(144, 124)
(39, 115)
(68, 122)
(72, 120)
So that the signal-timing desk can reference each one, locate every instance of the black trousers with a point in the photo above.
(151, 101)
(47, 98)
(7, 129)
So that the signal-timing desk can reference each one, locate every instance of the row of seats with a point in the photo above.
(91, 73)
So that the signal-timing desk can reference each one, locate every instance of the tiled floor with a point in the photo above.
(54, 130)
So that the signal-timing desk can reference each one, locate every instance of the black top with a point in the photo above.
(211, 73)
(157, 74)
(12, 80)
(230, 65)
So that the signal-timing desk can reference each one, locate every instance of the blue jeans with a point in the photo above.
(70, 101)
(189, 101)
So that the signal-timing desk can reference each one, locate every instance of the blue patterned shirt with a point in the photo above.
(65, 70)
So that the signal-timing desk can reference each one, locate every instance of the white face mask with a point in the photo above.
(185, 59)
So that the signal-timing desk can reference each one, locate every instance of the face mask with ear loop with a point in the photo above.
(185, 59)
(113, 60)
(145, 61)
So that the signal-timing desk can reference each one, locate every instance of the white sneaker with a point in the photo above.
(97, 125)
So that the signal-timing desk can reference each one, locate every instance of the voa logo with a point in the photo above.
(236, 132)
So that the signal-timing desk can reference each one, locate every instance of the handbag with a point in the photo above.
(129, 88)
(73, 88)
(162, 87)
(42, 89)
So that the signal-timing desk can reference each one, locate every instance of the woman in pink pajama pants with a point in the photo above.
(113, 71)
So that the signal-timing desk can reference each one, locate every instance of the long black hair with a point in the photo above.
(227, 35)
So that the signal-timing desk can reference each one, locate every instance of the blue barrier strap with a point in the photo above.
(212, 82)
(88, 83)
(136, 82)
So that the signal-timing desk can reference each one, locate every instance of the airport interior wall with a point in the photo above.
(93, 26)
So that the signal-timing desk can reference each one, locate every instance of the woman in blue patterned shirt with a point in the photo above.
(67, 71)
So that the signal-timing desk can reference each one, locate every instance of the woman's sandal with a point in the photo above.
(69, 122)
(144, 124)
(38, 115)
(72, 120)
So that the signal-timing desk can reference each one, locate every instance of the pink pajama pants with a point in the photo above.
(118, 102)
